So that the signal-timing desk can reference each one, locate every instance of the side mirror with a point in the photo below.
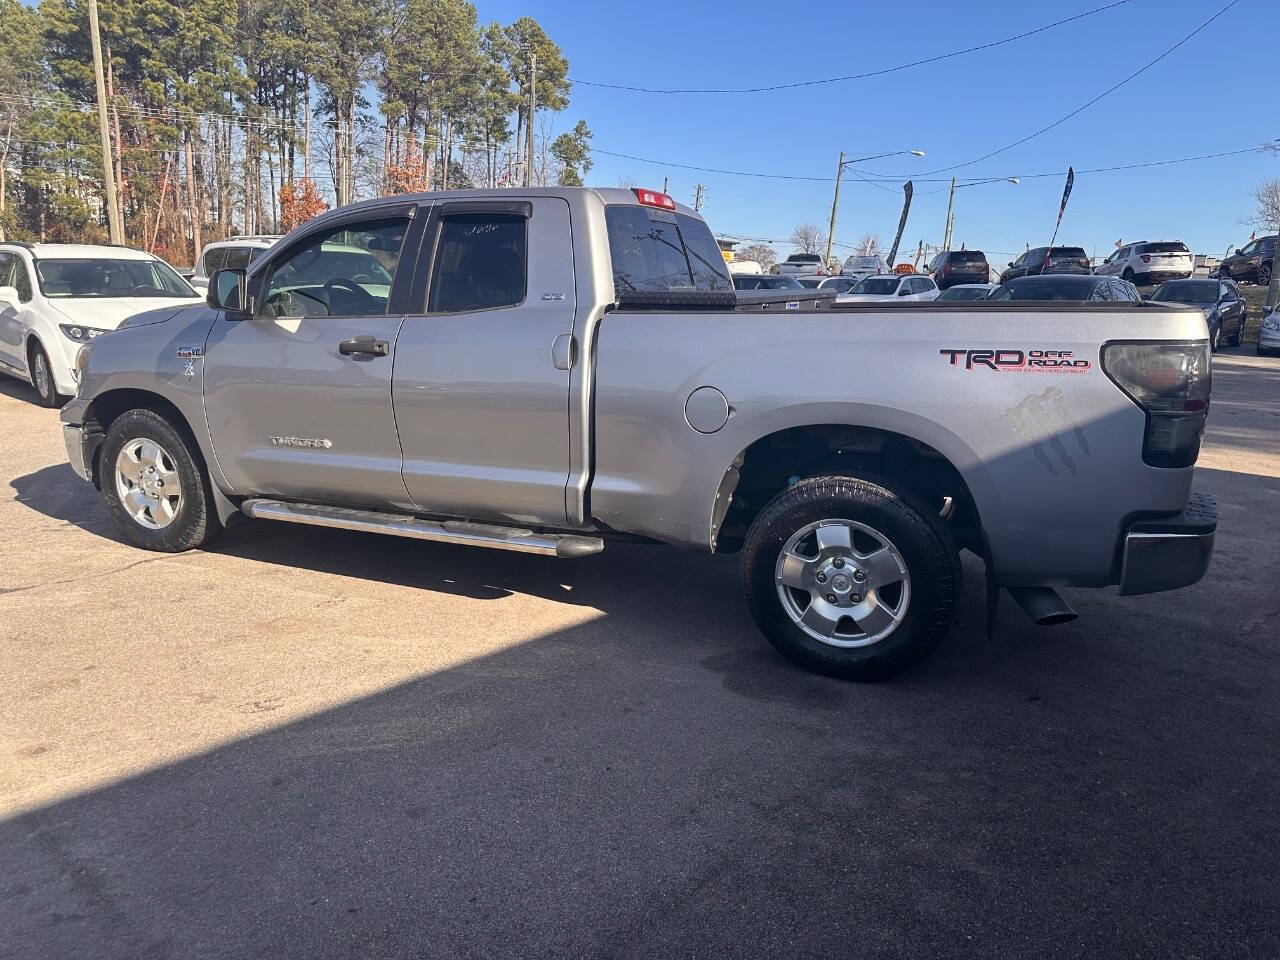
(1009, 264)
(227, 291)
(9, 295)
(903, 292)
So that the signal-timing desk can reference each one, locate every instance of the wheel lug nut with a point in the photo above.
(859, 575)
(821, 578)
(831, 598)
(855, 598)
(838, 562)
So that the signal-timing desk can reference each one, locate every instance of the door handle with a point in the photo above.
(363, 346)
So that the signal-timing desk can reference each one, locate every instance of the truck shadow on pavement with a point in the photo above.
(657, 783)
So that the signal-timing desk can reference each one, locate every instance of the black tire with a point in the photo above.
(36, 355)
(1264, 275)
(1238, 335)
(1215, 339)
(195, 521)
(920, 537)
(1127, 275)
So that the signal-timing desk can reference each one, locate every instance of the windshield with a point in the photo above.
(104, 278)
(1195, 291)
(767, 283)
(1171, 247)
(657, 250)
(1045, 288)
(964, 293)
(876, 285)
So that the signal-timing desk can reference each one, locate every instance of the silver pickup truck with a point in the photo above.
(544, 370)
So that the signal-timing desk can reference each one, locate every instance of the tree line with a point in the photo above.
(235, 117)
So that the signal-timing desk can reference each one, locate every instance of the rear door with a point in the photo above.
(482, 362)
(298, 396)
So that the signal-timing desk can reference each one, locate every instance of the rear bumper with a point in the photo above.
(1171, 552)
(1160, 276)
(82, 448)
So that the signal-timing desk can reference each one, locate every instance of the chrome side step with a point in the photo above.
(441, 531)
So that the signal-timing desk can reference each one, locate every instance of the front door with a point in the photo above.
(482, 374)
(13, 329)
(298, 397)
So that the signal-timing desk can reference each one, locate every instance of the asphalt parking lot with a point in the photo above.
(312, 743)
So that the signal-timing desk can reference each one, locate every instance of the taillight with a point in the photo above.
(1171, 383)
(1146, 258)
(652, 198)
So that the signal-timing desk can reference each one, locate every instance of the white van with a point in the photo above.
(860, 267)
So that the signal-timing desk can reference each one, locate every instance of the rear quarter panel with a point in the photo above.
(1051, 455)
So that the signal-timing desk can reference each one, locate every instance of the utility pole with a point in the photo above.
(946, 240)
(698, 191)
(831, 230)
(115, 225)
(533, 109)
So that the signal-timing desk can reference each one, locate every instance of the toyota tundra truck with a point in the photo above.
(547, 370)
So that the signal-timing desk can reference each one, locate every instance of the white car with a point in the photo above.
(56, 296)
(748, 268)
(859, 267)
(897, 287)
(234, 254)
(803, 264)
(1145, 263)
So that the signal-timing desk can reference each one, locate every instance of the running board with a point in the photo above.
(441, 531)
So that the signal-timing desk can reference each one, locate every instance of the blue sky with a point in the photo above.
(1215, 93)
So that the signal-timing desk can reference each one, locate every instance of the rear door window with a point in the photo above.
(659, 250)
(481, 262)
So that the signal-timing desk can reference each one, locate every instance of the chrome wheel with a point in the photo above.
(843, 583)
(40, 372)
(148, 484)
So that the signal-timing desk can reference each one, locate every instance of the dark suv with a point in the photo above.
(1250, 262)
(1039, 260)
(959, 266)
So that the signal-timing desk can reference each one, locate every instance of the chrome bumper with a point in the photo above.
(82, 447)
(1171, 552)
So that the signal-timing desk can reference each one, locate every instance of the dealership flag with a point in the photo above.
(1062, 208)
(907, 189)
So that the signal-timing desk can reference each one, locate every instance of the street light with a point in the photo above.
(946, 240)
(831, 230)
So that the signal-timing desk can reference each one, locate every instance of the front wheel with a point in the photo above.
(850, 578)
(1215, 339)
(154, 484)
(42, 375)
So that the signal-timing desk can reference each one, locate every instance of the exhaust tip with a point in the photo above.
(1043, 605)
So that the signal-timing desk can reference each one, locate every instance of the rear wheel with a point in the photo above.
(41, 375)
(850, 578)
(1264, 274)
(154, 484)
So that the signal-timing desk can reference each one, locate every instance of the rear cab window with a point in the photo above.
(658, 250)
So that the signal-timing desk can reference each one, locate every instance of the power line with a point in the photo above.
(856, 76)
(877, 179)
(1080, 109)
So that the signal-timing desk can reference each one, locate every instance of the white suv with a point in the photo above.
(234, 254)
(56, 296)
(1146, 263)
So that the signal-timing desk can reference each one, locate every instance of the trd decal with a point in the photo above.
(1018, 361)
